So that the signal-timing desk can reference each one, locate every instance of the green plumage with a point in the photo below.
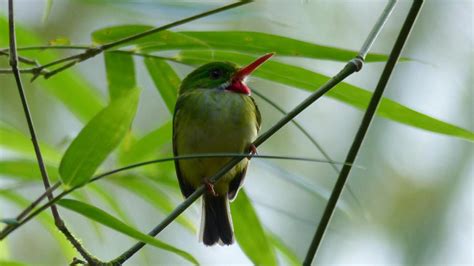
(209, 118)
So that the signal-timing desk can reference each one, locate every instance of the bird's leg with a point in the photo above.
(252, 150)
(210, 187)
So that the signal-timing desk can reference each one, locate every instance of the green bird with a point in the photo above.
(215, 113)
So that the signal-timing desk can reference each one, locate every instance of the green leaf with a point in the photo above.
(319, 191)
(14, 140)
(166, 80)
(26, 170)
(153, 195)
(45, 219)
(108, 220)
(82, 195)
(262, 43)
(305, 79)
(97, 140)
(69, 87)
(242, 41)
(249, 232)
(11, 263)
(111, 201)
(288, 254)
(120, 70)
(9, 221)
(168, 40)
(47, 10)
(148, 146)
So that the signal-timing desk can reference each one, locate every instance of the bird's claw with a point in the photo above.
(252, 151)
(210, 187)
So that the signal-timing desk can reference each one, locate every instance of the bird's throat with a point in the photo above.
(239, 86)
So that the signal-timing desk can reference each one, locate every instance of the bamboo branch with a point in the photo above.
(21, 58)
(26, 109)
(44, 174)
(364, 126)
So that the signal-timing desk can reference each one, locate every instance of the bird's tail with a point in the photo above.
(216, 222)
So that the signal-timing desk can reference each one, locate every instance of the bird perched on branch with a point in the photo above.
(215, 113)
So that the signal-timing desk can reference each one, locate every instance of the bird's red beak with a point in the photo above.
(238, 84)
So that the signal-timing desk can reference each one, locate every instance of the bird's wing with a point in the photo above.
(186, 189)
(238, 180)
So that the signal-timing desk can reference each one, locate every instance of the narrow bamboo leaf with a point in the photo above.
(153, 195)
(98, 139)
(45, 219)
(248, 42)
(10, 221)
(14, 140)
(70, 88)
(288, 254)
(147, 147)
(83, 196)
(4, 251)
(166, 80)
(47, 10)
(249, 232)
(110, 200)
(108, 220)
(120, 70)
(167, 39)
(352, 95)
(261, 43)
(26, 170)
(318, 191)
(11, 263)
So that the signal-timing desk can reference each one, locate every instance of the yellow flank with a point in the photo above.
(213, 121)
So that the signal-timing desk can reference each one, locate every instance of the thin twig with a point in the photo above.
(26, 109)
(359, 138)
(47, 47)
(44, 174)
(32, 70)
(376, 29)
(35, 203)
(21, 58)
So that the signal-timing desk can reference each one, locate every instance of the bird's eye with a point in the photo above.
(215, 74)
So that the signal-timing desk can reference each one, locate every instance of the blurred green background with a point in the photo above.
(413, 199)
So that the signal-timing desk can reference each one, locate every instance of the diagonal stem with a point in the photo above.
(359, 138)
(26, 109)
(44, 174)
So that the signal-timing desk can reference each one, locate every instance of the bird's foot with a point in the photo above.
(252, 151)
(210, 187)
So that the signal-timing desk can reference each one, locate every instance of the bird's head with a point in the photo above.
(221, 76)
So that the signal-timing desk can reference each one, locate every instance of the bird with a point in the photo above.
(215, 113)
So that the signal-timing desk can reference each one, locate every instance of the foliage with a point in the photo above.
(106, 127)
